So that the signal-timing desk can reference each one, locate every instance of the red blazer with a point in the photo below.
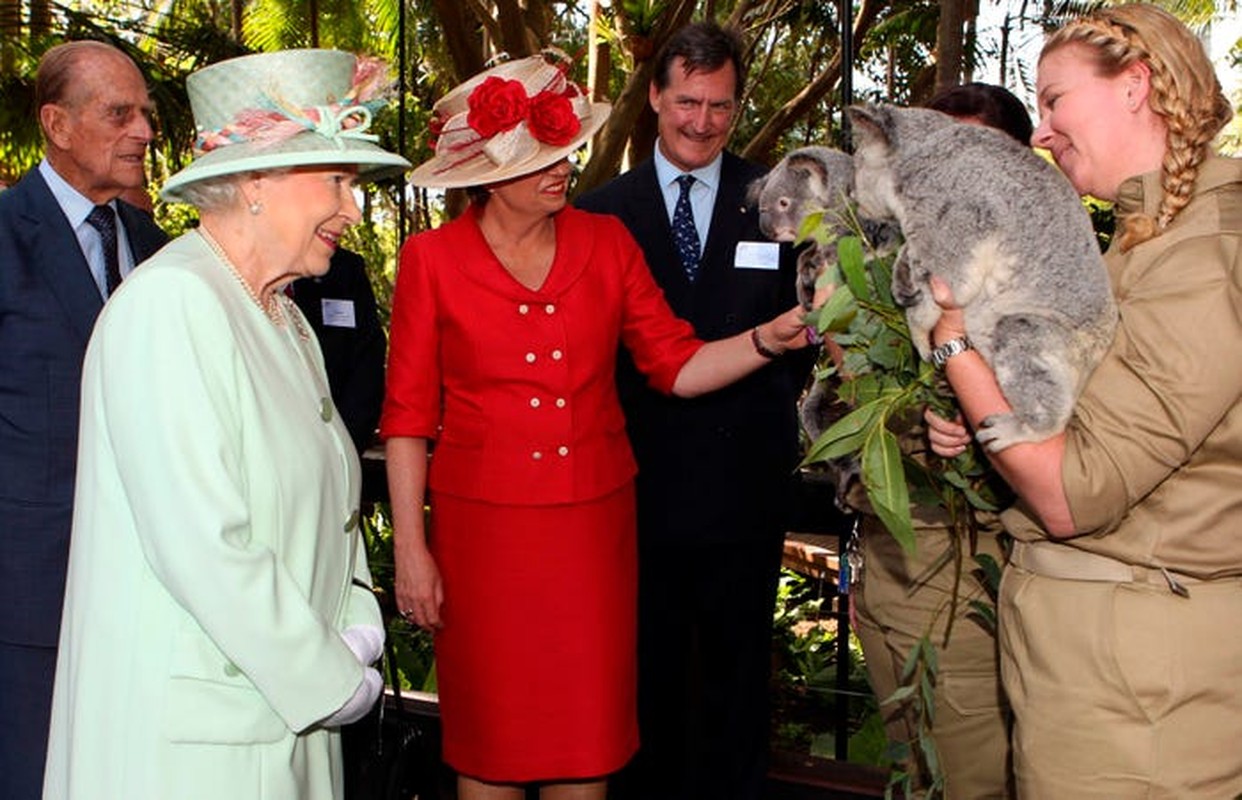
(517, 386)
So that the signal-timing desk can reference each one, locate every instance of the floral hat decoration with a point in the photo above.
(288, 108)
(512, 119)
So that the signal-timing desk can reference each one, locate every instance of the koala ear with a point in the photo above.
(755, 189)
(840, 167)
(871, 125)
(809, 161)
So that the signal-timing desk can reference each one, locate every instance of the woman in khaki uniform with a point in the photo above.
(1117, 645)
(902, 597)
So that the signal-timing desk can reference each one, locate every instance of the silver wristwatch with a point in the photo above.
(949, 349)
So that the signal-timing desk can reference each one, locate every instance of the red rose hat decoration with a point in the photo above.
(512, 119)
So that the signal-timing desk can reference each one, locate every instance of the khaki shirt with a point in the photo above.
(1153, 459)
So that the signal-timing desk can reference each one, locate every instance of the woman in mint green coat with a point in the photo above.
(218, 624)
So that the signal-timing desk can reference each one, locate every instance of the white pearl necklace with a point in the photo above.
(271, 308)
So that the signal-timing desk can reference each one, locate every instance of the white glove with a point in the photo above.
(356, 707)
(366, 642)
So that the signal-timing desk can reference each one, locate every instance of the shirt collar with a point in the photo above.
(666, 173)
(73, 203)
(1143, 193)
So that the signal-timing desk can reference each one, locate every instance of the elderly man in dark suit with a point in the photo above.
(715, 471)
(65, 243)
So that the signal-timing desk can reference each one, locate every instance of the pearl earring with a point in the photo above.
(256, 208)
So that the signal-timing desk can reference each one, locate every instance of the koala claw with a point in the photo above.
(999, 431)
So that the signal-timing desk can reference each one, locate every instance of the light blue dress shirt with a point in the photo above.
(77, 208)
(702, 191)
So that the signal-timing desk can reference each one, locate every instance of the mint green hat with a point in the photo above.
(290, 108)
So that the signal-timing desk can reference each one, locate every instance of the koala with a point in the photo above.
(807, 180)
(1009, 235)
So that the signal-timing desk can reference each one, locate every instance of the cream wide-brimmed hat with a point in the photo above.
(510, 120)
(289, 108)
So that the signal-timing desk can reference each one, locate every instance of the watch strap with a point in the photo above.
(953, 347)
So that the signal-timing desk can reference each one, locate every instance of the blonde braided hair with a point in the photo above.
(1185, 93)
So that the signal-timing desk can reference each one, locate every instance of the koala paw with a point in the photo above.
(907, 291)
(1000, 431)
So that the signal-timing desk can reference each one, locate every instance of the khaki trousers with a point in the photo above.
(1123, 690)
(971, 728)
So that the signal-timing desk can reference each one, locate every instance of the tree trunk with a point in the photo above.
(513, 34)
(599, 58)
(611, 141)
(40, 17)
(238, 11)
(949, 44)
(10, 33)
(312, 15)
(464, 46)
(763, 143)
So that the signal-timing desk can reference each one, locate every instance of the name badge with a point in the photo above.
(757, 255)
(338, 313)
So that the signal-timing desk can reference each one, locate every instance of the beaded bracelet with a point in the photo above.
(761, 348)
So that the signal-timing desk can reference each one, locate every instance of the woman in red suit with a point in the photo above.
(505, 329)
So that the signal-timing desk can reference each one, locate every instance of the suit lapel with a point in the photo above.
(143, 235)
(731, 221)
(54, 247)
(654, 232)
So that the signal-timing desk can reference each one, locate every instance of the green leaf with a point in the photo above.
(837, 313)
(927, 746)
(928, 697)
(846, 435)
(882, 279)
(978, 501)
(853, 267)
(991, 570)
(810, 224)
(985, 613)
(912, 661)
(931, 660)
(902, 694)
(885, 482)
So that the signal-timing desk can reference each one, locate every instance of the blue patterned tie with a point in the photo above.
(103, 219)
(685, 235)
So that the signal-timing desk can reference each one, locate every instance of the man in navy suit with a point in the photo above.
(714, 472)
(56, 267)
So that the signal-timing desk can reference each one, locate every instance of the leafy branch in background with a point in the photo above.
(886, 386)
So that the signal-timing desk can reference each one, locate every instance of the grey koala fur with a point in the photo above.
(1010, 237)
(805, 181)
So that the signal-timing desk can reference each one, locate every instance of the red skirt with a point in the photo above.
(536, 663)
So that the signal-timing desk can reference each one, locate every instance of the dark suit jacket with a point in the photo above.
(353, 357)
(716, 468)
(48, 305)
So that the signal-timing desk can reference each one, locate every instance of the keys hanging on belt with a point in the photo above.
(850, 567)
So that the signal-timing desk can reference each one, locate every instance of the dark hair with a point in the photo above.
(702, 46)
(995, 106)
(478, 195)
